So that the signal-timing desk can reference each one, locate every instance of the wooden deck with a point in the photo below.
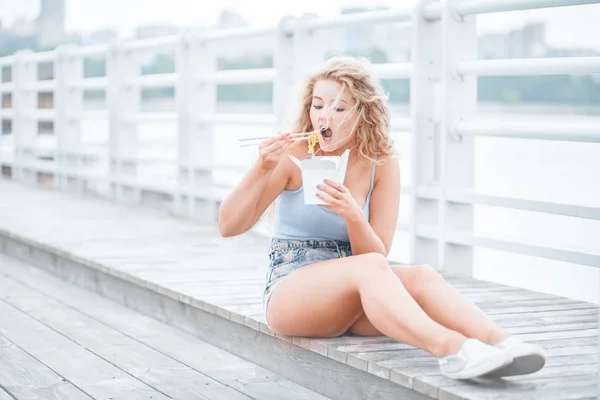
(58, 341)
(186, 276)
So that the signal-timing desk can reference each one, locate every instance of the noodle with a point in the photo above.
(313, 139)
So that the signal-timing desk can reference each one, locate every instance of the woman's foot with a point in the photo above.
(527, 358)
(474, 359)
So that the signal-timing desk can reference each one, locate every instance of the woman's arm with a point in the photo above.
(267, 178)
(377, 234)
(242, 208)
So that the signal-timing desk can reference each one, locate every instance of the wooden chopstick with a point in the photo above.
(256, 143)
(294, 135)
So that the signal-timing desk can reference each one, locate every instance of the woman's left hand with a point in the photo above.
(339, 200)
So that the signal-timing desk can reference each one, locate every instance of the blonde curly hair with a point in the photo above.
(373, 122)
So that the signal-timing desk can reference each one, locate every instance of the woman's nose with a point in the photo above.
(323, 119)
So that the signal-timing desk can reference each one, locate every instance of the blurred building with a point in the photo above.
(229, 19)
(527, 42)
(51, 24)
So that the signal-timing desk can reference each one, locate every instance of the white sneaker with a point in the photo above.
(527, 358)
(474, 359)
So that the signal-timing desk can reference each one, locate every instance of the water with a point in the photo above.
(536, 170)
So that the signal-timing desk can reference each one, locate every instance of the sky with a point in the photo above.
(566, 26)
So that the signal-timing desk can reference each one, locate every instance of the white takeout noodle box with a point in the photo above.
(316, 169)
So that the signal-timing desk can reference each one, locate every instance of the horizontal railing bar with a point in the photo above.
(213, 193)
(166, 116)
(36, 166)
(393, 70)
(239, 118)
(7, 60)
(471, 7)
(42, 56)
(147, 159)
(89, 175)
(236, 33)
(575, 131)
(7, 112)
(41, 114)
(156, 186)
(470, 197)
(41, 85)
(7, 87)
(363, 18)
(433, 11)
(88, 114)
(530, 66)
(467, 239)
(91, 50)
(152, 81)
(153, 43)
(89, 152)
(91, 83)
(242, 76)
(467, 197)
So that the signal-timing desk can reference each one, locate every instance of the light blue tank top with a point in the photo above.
(298, 221)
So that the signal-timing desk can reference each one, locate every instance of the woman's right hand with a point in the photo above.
(271, 149)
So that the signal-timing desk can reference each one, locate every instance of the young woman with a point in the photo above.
(328, 273)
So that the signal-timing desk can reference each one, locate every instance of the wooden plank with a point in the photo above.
(27, 378)
(574, 387)
(545, 313)
(505, 296)
(87, 371)
(591, 333)
(226, 368)
(490, 310)
(552, 328)
(166, 375)
(566, 342)
(520, 320)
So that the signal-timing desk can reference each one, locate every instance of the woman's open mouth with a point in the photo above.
(327, 134)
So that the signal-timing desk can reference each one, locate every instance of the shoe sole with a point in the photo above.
(482, 369)
(520, 366)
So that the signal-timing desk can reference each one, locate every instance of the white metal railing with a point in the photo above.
(442, 123)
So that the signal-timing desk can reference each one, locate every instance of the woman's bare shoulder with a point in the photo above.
(388, 167)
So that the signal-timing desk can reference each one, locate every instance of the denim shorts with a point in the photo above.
(287, 255)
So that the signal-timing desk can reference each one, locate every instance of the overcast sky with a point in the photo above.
(566, 26)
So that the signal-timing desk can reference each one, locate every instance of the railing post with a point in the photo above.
(182, 98)
(25, 126)
(309, 49)
(68, 105)
(425, 79)
(123, 103)
(196, 143)
(283, 62)
(457, 159)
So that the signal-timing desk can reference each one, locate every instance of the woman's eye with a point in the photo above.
(316, 107)
(339, 109)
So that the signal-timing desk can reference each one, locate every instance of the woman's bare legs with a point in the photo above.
(442, 303)
(325, 299)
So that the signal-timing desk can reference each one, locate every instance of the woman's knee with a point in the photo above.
(370, 262)
(424, 276)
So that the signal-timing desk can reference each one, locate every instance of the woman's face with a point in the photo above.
(339, 119)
